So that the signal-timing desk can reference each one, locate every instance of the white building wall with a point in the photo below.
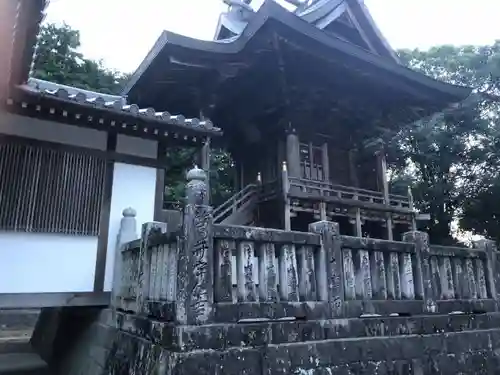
(38, 263)
(133, 186)
(42, 263)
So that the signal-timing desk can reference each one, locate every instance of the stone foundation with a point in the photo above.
(97, 343)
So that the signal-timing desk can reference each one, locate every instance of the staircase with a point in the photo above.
(16, 354)
(239, 209)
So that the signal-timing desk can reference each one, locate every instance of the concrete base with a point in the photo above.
(18, 322)
(120, 343)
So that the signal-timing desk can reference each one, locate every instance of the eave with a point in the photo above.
(107, 113)
(301, 32)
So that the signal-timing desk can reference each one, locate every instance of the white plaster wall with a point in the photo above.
(39, 262)
(51, 131)
(133, 186)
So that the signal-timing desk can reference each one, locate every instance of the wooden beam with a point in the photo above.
(103, 154)
(349, 203)
(102, 240)
(206, 152)
(160, 183)
(41, 300)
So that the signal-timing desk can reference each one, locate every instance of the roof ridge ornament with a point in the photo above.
(240, 9)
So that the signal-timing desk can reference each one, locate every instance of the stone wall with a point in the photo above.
(304, 303)
(120, 343)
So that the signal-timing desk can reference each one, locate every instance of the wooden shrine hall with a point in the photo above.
(303, 98)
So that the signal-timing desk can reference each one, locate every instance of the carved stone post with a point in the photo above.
(422, 272)
(195, 283)
(329, 265)
(492, 269)
(126, 233)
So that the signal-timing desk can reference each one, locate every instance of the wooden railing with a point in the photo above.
(236, 202)
(324, 188)
(252, 193)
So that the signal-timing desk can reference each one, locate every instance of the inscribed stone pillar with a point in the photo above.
(329, 265)
(195, 294)
(492, 270)
(293, 154)
(422, 269)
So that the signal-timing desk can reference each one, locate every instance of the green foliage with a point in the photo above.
(58, 60)
(451, 160)
(181, 159)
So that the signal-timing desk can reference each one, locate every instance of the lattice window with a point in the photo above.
(311, 161)
(49, 191)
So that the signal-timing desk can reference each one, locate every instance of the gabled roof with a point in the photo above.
(196, 53)
(348, 19)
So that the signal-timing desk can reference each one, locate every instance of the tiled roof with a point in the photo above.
(114, 103)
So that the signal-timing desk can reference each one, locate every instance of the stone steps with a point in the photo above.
(16, 354)
(17, 357)
(17, 320)
(469, 352)
(259, 333)
(22, 364)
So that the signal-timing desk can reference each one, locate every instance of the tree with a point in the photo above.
(57, 60)
(450, 159)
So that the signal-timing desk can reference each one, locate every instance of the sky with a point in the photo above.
(121, 32)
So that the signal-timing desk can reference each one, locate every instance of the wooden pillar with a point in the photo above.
(287, 211)
(385, 189)
(293, 154)
(353, 173)
(413, 227)
(325, 162)
(357, 223)
(205, 163)
(102, 240)
(322, 211)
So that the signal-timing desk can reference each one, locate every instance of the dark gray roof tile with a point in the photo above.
(113, 102)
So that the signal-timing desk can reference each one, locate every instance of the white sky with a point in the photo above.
(121, 32)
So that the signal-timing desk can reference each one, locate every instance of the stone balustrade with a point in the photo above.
(209, 273)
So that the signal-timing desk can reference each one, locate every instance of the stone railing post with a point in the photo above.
(144, 272)
(195, 282)
(330, 271)
(126, 233)
(422, 270)
(492, 266)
